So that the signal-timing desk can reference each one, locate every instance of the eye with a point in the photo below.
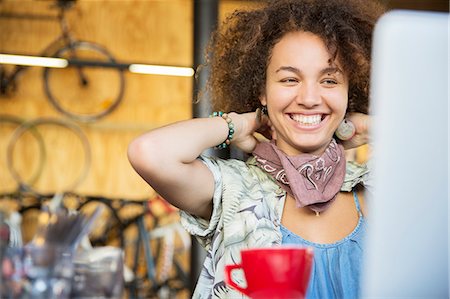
(329, 81)
(289, 80)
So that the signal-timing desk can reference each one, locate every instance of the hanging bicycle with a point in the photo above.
(82, 92)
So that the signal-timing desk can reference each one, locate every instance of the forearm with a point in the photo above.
(184, 141)
(166, 158)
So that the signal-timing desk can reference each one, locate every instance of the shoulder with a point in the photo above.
(242, 184)
(216, 162)
(229, 169)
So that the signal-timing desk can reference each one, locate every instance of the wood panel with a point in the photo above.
(157, 32)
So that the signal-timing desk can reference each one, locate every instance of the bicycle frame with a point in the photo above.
(65, 39)
(163, 234)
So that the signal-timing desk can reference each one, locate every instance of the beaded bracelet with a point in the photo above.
(230, 129)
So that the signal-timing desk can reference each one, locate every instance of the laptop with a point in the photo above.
(406, 254)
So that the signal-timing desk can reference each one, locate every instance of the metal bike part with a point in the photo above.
(17, 122)
(84, 93)
(33, 125)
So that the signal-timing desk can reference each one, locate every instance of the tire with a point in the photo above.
(84, 93)
(108, 228)
(53, 127)
(38, 143)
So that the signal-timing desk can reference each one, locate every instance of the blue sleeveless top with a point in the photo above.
(337, 266)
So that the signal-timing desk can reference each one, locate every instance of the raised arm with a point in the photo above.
(166, 158)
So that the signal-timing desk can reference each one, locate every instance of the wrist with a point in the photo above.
(231, 129)
(241, 126)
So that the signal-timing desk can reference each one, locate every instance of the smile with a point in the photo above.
(308, 120)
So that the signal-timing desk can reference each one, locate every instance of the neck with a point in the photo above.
(292, 151)
(312, 180)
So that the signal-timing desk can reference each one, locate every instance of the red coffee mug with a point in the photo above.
(273, 272)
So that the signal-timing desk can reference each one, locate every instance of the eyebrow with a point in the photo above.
(327, 70)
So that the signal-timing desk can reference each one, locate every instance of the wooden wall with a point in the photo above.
(133, 31)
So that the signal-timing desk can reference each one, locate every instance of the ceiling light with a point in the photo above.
(161, 70)
(62, 63)
(33, 61)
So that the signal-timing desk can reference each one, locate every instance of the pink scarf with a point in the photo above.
(314, 181)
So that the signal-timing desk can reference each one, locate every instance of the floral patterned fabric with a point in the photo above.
(247, 210)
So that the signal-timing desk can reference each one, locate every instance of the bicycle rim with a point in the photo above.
(35, 170)
(81, 144)
(84, 93)
(108, 228)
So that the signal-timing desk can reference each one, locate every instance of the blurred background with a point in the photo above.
(45, 151)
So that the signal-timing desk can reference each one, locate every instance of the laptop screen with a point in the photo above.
(407, 242)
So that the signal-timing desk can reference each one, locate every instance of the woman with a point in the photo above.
(305, 64)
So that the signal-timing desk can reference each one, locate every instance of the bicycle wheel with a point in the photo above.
(64, 142)
(84, 93)
(33, 150)
(108, 228)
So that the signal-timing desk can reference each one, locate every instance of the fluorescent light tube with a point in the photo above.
(33, 61)
(161, 70)
(62, 63)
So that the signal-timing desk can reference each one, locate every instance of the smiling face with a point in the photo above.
(306, 96)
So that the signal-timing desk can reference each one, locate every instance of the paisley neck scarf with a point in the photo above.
(314, 181)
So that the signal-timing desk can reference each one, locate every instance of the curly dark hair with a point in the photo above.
(239, 51)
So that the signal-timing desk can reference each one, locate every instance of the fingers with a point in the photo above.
(258, 116)
(361, 123)
(246, 125)
(274, 133)
(264, 126)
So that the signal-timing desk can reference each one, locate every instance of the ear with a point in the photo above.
(263, 100)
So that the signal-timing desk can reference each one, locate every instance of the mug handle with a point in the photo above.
(229, 281)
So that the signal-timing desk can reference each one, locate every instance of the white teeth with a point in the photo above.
(307, 119)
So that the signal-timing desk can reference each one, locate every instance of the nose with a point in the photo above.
(308, 95)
